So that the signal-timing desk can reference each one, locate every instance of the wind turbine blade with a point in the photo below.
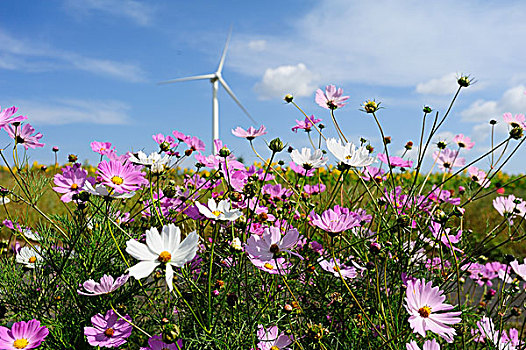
(195, 77)
(223, 55)
(231, 93)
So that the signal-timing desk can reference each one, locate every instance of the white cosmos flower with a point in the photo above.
(219, 211)
(165, 248)
(34, 236)
(29, 256)
(349, 154)
(308, 160)
(155, 160)
(4, 200)
(102, 190)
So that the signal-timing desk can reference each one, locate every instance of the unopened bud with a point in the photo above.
(516, 133)
(427, 109)
(370, 106)
(276, 145)
(72, 158)
(464, 81)
(409, 145)
(288, 98)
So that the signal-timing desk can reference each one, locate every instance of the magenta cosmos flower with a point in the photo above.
(156, 343)
(106, 285)
(306, 124)
(332, 97)
(395, 161)
(70, 182)
(102, 148)
(250, 133)
(23, 135)
(123, 178)
(269, 339)
(6, 114)
(23, 335)
(268, 246)
(425, 304)
(109, 331)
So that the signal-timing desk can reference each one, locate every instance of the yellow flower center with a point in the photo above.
(269, 266)
(424, 311)
(164, 257)
(21, 343)
(102, 149)
(336, 268)
(74, 186)
(274, 347)
(117, 180)
(216, 212)
(32, 259)
(348, 157)
(109, 332)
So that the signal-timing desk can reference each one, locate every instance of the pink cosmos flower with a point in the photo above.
(274, 267)
(195, 144)
(269, 245)
(6, 114)
(334, 267)
(519, 269)
(102, 148)
(334, 220)
(108, 331)
(463, 141)
(23, 135)
(332, 97)
(442, 234)
(510, 206)
(123, 178)
(276, 192)
(479, 176)
(160, 138)
(515, 121)
(23, 335)
(373, 173)
(269, 339)
(107, 285)
(448, 159)
(250, 133)
(306, 124)
(179, 136)
(486, 333)
(298, 169)
(70, 182)
(424, 304)
(314, 189)
(428, 345)
(395, 161)
(156, 343)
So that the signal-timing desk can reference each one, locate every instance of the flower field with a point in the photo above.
(341, 245)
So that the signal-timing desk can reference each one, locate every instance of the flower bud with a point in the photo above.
(236, 245)
(169, 191)
(276, 145)
(427, 109)
(370, 106)
(516, 133)
(72, 158)
(387, 140)
(375, 248)
(224, 152)
(464, 81)
(493, 122)
(55, 149)
(288, 98)
(164, 146)
(170, 333)
(409, 145)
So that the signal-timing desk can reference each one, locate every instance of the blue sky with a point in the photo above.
(87, 70)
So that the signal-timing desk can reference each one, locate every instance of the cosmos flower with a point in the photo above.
(23, 335)
(70, 182)
(332, 97)
(373, 173)
(515, 121)
(249, 134)
(442, 234)
(448, 159)
(306, 124)
(314, 189)
(123, 178)
(106, 285)
(334, 267)
(194, 143)
(463, 141)
(349, 154)
(395, 161)
(307, 159)
(6, 114)
(23, 135)
(219, 211)
(156, 343)
(428, 345)
(102, 148)
(274, 266)
(510, 206)
(155, 161)
(162, 249)
(101, 190)
(29, 256)
(479, 176)
(424, 304)
(109, 331)
(269, 339)
(334, 220)
(519, 269)
(486, 333)
(270, 243)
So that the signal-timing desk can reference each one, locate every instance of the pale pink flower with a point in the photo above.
(6, 114)
(332, 97)
(448, 159)
(102, 148)
(428, 345)
(479, 176)
(249, 134)
(519, 269)
(395, 161)
(70, 182)
(106, 285)
(515, 121)
(269, 339)
(270, 244)
(334, 267)
(425, 304)
(463, 141)
(23, 135)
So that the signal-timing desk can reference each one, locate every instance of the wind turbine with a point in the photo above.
(215, 78)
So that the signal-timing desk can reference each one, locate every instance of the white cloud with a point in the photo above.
(441, 86)
(138, 12)
(69, 111)
(29, 56)
(277, 82)
(257, 45)
(410, 42)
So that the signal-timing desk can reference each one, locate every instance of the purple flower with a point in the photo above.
(424, 304)
(298, 169)
(306, 124)
(108, 331)
(124, 178)
(269, 339)
(332, 97)
(156, 343)
(510, 206)
(160, 138)
(395, 161)
(106, 285)
(268, 246)
(373, 173)
(251, 133)
(334, 267)
(442, 234)
(70, 182)
(23, 335)
(6, 114)
(195, 144)
(23, 135)
(314, 189)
